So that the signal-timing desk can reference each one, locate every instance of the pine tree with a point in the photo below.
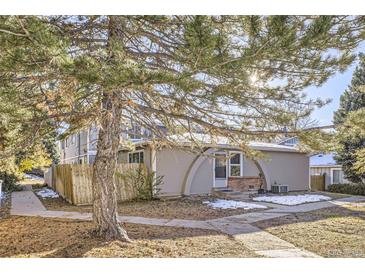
(351, 121)
(237, 76)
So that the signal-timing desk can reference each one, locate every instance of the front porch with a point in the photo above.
(230, 180)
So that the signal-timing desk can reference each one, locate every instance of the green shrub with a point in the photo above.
(9, 182)
(354, 189)
(144, 184)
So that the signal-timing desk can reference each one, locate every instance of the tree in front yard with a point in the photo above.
(22, 143)
(236, 76)
(350, 120)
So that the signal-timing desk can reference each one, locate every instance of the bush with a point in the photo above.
(9, 182)
(145, 184)
(354, 189)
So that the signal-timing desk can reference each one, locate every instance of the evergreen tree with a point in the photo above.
(22, 143)
(350, 119)
(238, 76)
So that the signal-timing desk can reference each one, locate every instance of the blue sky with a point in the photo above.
(333, 89)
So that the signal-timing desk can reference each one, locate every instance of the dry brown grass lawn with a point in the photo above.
(41, 237)
(331, 232)
(183, 208)
(333, 194)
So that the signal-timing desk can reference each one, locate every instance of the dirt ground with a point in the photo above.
(331, 232)
(182, 208)
(41, 237)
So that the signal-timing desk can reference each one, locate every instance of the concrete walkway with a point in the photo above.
(26, 203)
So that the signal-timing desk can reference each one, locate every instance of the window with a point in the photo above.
(336, 176)
(66, 140)
(135, 157)
(235, 165)
(135, 132)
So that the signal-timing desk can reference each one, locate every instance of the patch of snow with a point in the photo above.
(292, 199)
(47, 193)
(32, 177)
(231, 204)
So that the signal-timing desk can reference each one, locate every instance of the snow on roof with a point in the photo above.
(322, 160)
(222, 141)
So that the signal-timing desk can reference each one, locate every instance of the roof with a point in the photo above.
(323, 160)
(223, 142)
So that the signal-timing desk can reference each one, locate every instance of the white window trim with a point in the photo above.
(332, 169)
(240, 164)
(136, 151)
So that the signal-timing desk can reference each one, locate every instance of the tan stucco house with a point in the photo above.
(186, 172)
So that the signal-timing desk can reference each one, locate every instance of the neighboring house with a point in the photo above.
(321, 164)
(79, 148)
(186, 173)
(325, 164)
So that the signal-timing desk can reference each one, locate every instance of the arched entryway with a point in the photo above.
(198, 161)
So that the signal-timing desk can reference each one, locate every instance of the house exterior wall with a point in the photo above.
(327, 170)
(173, 165)
(249, 168)
(203, 179)
(290, 169)
(72, 148)
(79, 147)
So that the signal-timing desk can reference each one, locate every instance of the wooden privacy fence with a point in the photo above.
(73, 182)
(318, 182)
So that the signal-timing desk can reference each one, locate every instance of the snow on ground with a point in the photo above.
(292, 199)
(230, 204)
(47, 193)
(32, 177)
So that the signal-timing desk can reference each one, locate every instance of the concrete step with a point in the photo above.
(228, 193)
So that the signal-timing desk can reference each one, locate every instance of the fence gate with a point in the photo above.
(318, 182)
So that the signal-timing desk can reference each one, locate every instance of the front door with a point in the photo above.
(220, 170)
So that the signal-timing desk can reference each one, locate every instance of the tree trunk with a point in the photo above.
(104, 190)
(262, 174)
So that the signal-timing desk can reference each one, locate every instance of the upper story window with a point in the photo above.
(235, 165)
(135, 132)
(135, 157)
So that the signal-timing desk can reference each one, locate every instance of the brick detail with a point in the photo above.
(244, 183)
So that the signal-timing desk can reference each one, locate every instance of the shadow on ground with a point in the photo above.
(41, 237)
